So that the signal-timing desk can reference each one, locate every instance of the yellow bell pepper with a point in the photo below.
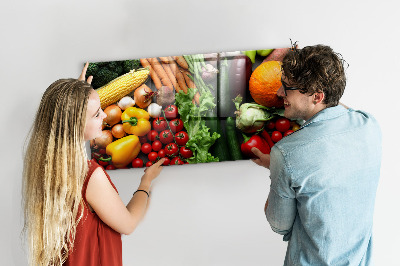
(136, 121)
(124, 150)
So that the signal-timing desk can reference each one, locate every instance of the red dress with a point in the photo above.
(95, 242)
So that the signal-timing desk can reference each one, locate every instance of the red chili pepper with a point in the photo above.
(254, 141)
(267, 137)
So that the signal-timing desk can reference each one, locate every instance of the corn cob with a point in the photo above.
(116, 89)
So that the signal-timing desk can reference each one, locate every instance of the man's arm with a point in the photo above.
(280, 208)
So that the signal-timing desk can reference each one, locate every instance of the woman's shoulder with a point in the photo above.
(97, 172)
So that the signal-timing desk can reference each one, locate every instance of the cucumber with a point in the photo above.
(233, 140)
(225, 106)
(220, 147)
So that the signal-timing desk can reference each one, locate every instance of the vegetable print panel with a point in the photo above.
(189, 109)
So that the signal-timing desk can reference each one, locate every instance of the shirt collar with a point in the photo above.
(326, 114)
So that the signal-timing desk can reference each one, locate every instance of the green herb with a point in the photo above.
(200, 139)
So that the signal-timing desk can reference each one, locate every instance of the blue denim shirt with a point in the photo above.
(323, 183)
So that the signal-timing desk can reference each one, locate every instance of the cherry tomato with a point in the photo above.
(185, 152)
(176, 125)
(166, 136)
(295, 127)
(110, 167)
(276, 136)
(171, 149)
(142, 139)
(146, 148)
(282, 124)
(137, 163)
(160, 124)
(152, 135)
(152, 156)
(181, 138)
(288, 132)
(161, 153)
(171, 111)
(156, 145)
(104, 161)
(166, 161)
(175, 161)
(149, 163)
(270, 125)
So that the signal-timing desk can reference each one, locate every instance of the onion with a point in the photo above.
(126, 102)
(118, 131)
(105, 138)
(143, 96)
(113, 113)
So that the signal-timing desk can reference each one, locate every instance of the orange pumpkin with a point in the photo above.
(264, 82)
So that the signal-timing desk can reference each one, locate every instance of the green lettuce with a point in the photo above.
(200, 139)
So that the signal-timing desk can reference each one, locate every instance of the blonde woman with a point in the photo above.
(73, 213)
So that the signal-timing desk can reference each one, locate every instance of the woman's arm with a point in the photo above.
(108, 205)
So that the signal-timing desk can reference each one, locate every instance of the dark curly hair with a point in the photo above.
(316, 69)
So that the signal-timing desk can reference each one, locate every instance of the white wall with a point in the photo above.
(208, 214)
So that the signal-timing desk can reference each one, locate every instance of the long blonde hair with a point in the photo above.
(55, 167)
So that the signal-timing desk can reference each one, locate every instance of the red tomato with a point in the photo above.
(104, 161)
(156, 145)
(171, 111)
(276, 136)
(110, 167)
(171, 149)
(176, 125)
(282, 124)
(146, 148)
(166, 137)
(160, 124)
(185, 152)
(175, 161)
(149, 163)
(152, 135)
(161, 153)
(270, 125)
(288, 132)
(166, 161)
(137, 163)
(181, 138)
(142, 139)
(152, 156)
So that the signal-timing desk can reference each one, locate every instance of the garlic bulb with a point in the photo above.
(154, 110)
(126, 102)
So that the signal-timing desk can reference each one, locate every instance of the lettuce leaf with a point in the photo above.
(200, 139)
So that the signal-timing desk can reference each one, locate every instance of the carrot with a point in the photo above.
(178, 75)
(171, 76)
(196, 98)
(160, 72)
(165, 60)
(153, 74)
(181, 61)
(188, 80)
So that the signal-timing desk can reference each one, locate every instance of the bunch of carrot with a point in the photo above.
(170, 71)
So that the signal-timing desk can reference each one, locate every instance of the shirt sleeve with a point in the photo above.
(281, 210)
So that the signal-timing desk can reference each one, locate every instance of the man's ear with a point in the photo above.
(318, 97)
